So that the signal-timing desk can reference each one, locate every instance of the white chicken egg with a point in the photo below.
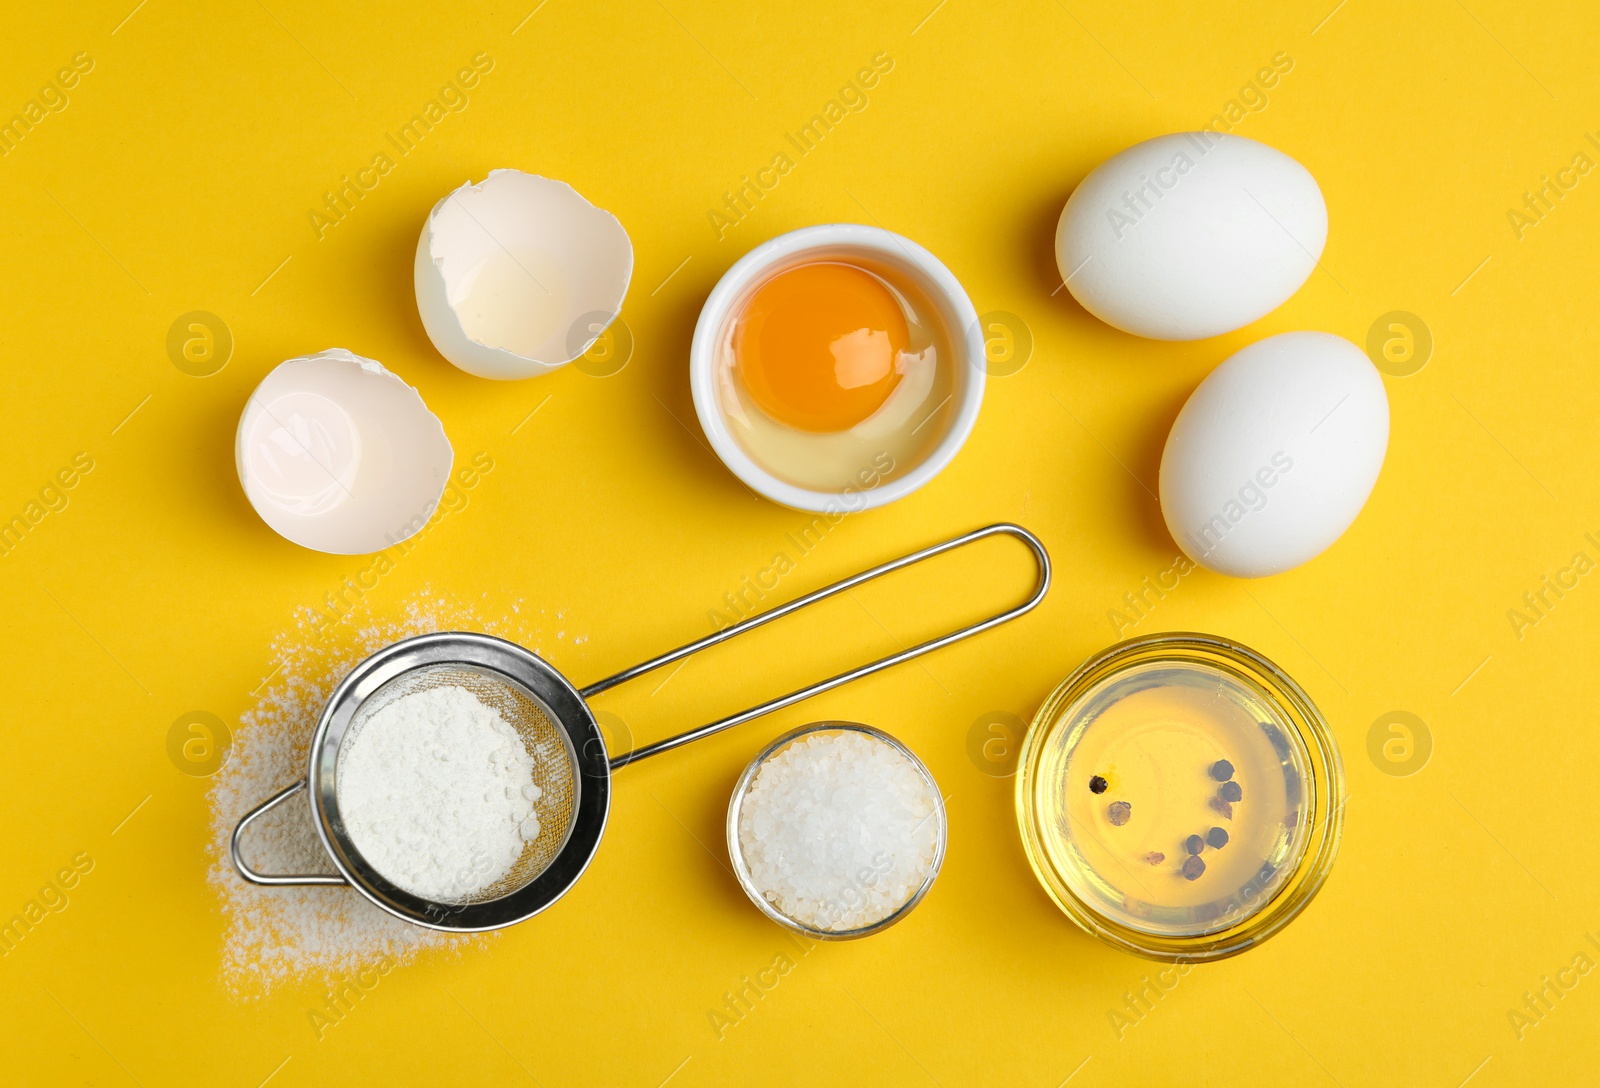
(1191, 235)
(1274, 454)
(339, 455)
(519, 274)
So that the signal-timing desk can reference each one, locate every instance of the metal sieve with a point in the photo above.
(553, 718)
(741, 868)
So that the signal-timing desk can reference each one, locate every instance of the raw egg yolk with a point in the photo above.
(816, 346)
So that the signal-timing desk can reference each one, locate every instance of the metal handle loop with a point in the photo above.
(273, 879)
(1041, 557)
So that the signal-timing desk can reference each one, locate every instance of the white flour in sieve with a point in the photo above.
(272, 937)
(437, 793)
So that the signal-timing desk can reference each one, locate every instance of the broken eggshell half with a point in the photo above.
(519, 274)
(339, 455)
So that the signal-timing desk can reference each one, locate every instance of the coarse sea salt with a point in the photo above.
(838, 830)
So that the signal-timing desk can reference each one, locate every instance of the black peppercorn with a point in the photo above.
(1222, 770)
(1193, 867)
(1194, 844)
(1097, 784)
(1230, 791)
(1216, 838)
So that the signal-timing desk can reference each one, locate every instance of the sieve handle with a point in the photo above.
(278, 879)
(1041, 557)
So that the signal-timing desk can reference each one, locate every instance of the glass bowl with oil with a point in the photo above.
(1180, 797)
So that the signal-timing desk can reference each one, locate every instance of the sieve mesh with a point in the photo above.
(547, 743)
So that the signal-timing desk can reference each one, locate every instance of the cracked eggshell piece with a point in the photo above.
(519, 274)
(339, 455)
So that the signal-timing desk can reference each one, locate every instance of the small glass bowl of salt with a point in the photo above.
(836, 830)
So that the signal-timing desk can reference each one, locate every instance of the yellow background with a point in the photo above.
(182, 173)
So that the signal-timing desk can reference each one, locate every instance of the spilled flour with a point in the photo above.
(274, 936)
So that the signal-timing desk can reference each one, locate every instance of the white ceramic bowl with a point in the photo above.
(839, 241)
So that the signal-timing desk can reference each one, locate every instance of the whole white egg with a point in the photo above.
(1191, 235)
(1274, 454)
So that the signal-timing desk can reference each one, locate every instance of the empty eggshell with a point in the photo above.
(519, 274)
(1191, 235)
(1274, 454)
(339, 455)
